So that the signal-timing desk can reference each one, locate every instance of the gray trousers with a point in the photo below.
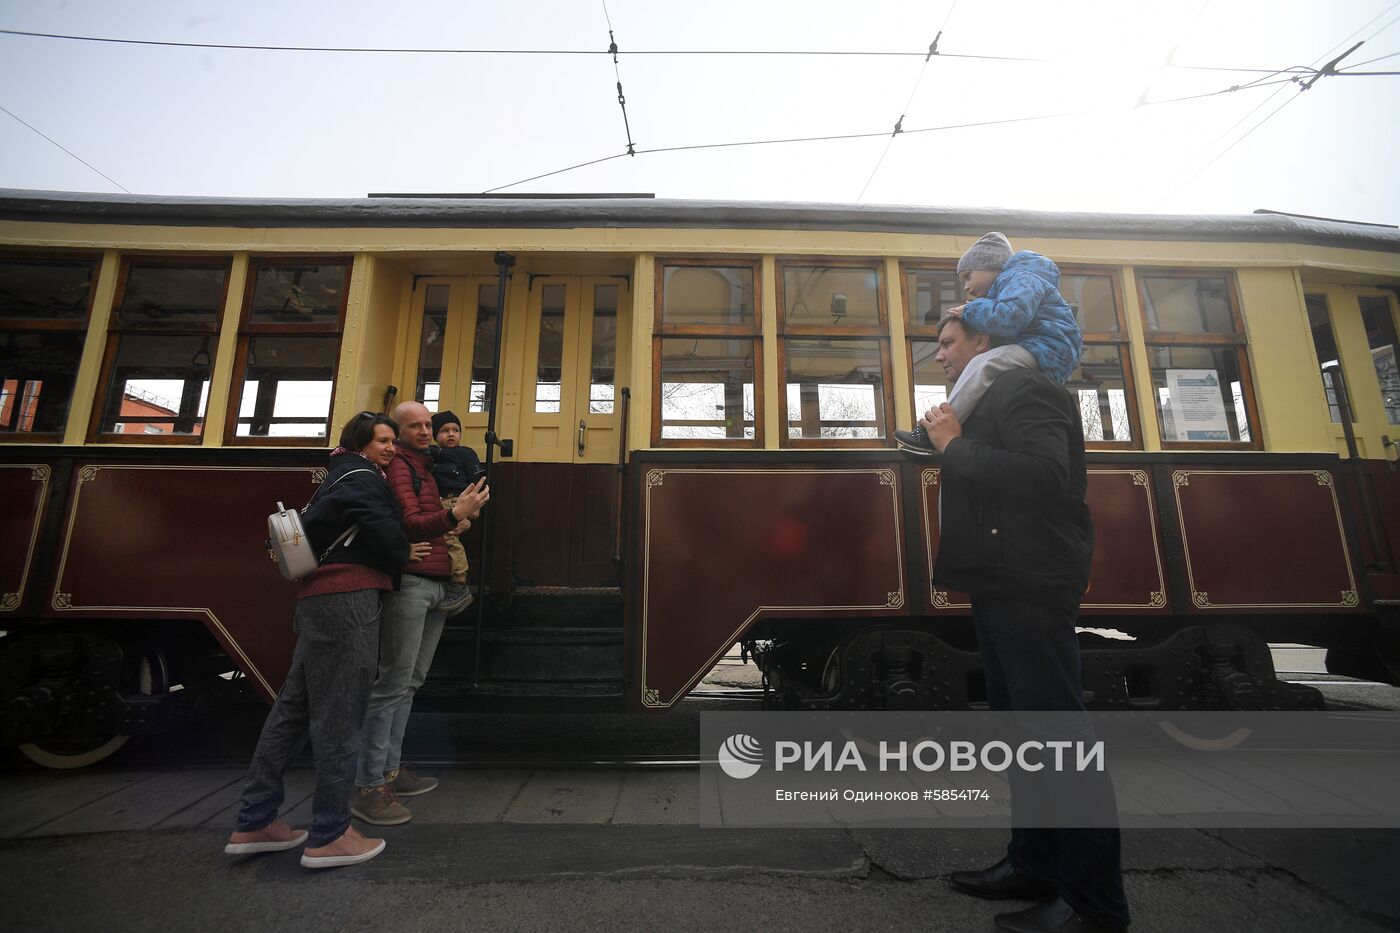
(408, 639)
(323, 699)
(977, 377)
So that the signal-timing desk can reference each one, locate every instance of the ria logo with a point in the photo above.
(741, 756)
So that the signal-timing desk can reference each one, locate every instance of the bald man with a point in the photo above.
(411, 623)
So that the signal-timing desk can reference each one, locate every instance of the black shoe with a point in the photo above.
(915, 443)
(1053, 916)
(1000, 882)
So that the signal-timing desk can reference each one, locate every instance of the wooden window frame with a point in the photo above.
(1119, 338)
(248, 329)
(76, 325)
(879, 332)
(115, 331)
(907, 268)
(1239, 340)
(1123, 341)
(753, 331)
(1346, 383)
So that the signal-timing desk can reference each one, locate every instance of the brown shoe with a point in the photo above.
(379, 806)
(405, 783)
(350, 849)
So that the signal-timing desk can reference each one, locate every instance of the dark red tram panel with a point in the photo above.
(162, 541)
(1263, 541)
(720, 546)
(24, 488)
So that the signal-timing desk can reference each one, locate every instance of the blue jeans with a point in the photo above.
(323, 699)
(408, 638)
(1032, 660)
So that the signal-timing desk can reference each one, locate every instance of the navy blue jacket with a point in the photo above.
(361, 499)
(454, 468)
(1014, 521)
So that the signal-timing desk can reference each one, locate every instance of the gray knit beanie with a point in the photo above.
(991, 252)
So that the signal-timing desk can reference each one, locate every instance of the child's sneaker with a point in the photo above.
(458, 597)
(915, 442)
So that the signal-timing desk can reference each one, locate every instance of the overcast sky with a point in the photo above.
(190, 121)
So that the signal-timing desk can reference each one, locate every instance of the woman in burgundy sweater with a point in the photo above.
(334, 663)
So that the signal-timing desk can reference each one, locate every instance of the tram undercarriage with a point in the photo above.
(884, 667)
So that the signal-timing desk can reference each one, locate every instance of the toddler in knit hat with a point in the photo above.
(1015, 298)
(454, 468)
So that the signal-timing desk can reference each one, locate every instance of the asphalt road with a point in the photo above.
(563, 863)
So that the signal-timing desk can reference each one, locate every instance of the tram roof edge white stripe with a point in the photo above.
(85, 207)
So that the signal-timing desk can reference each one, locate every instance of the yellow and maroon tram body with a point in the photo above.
(693, 404)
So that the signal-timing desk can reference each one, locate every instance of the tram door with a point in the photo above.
(566, 495)
(456, 331)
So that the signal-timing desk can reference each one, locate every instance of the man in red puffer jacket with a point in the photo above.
(411, 623)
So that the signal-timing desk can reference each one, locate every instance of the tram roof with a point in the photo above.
(85, 207)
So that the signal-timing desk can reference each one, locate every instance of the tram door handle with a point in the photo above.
(582, 426)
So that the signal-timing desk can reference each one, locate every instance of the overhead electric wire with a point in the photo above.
(1232, 145)
(1372, 61)
(1227, 90)
(69, 151)
(621, 99)
(899, 124)
(1328, 70)
(794, 139)
(1171, 53)
(440, 51)
(560, 171)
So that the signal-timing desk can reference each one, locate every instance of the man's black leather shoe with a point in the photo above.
(999, 882)
(1054, 916)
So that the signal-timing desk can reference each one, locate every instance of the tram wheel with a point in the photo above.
(151, 676)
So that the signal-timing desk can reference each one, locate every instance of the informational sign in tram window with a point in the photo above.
(1389, 376)
(1197, 406)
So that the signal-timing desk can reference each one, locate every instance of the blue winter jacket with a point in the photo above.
(1024, 304)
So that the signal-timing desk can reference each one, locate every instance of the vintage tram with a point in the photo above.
(687, 409)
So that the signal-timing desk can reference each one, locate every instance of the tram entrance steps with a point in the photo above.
(555, 607)
(536, 655)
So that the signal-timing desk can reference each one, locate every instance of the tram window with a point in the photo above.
(835, 389)
(1094, 302)
(603, 353)
(159, 358)
(1385, 351)
(830, 297)
(157, 385)
(930, 383)
(299, 292)
(430, 345)
(1200, 394)
(288, 346)
(1187, 304)
(707, 389)
(549, 362)
(1097, 386)
(695, 294)
(286, 390)
(46, 289)
(930, 292)
(1196, 348)
(37, 371)
(44, 306)
(483, 349)
(1325, 343)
